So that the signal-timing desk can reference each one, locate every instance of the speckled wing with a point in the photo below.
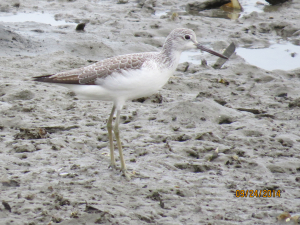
(89, 74)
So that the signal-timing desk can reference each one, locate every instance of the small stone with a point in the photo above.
(80, 27)
(6, 206)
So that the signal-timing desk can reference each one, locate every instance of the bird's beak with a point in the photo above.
(209, 51)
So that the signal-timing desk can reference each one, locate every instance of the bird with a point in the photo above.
(127, 77)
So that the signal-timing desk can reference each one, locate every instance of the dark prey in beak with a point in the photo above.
(210, 51)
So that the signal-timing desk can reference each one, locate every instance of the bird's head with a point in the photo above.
(183, 39)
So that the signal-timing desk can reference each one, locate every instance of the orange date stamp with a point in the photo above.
(258, 193)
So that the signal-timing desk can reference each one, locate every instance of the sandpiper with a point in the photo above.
(127, 77)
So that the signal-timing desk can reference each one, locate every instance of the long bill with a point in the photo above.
(210, 51)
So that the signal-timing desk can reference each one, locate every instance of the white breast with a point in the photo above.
(128, 85)
(133, 84)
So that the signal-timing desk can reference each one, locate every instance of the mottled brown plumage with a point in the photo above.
(102, 69)
(88, 75)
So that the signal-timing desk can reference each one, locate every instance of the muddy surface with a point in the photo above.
(208, 133)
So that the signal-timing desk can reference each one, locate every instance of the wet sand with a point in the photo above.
(54, 153)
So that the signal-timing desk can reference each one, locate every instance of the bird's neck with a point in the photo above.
(170, 55)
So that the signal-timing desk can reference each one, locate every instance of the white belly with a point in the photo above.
(126, 86)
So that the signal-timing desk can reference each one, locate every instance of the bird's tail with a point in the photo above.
(44, 78)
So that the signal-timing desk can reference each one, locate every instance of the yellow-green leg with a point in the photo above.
(111, 139)
(117, 134)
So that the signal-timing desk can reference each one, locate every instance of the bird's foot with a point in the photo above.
(133, 174)
(127, 174)
(113, 166)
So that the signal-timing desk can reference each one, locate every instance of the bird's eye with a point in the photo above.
(186, 37)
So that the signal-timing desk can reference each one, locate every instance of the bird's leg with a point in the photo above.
(117, 134)
(110, 135)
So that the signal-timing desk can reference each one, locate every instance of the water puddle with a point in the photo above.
(159, 13)
(248, 6)
(32, 17)
(195, 56)
(192, 56)
(283, 56)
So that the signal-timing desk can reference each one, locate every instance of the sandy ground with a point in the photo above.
(54, 152)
